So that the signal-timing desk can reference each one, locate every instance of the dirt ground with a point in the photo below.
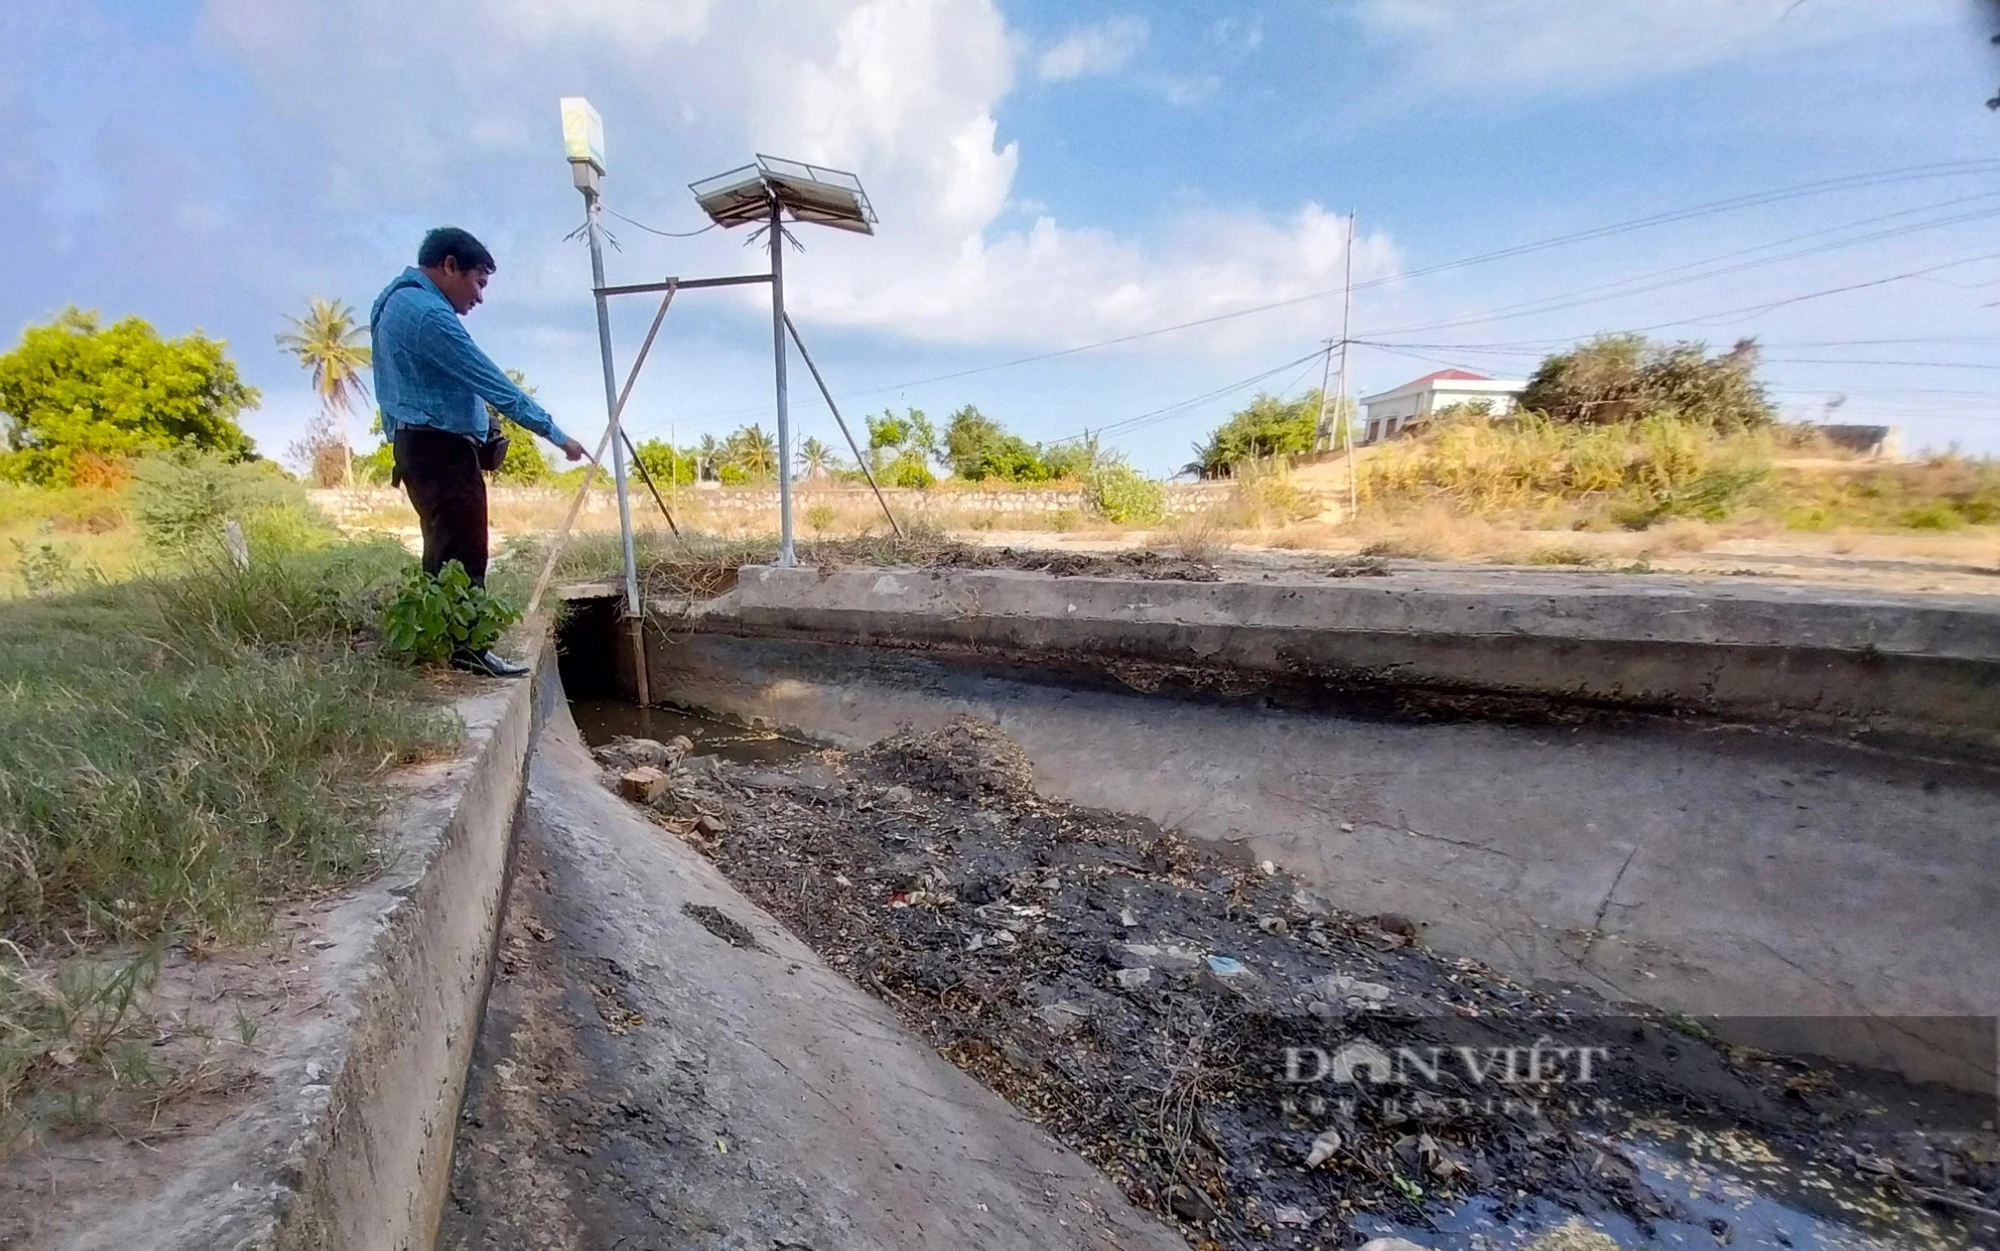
(1965, 561)
(1168, 1013)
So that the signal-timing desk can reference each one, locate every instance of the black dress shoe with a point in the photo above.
(488, 664)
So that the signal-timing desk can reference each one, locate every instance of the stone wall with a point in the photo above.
(1182, 498)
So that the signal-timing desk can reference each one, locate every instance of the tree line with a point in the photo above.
(79, 400)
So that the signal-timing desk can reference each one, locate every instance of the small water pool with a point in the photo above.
(602, 720)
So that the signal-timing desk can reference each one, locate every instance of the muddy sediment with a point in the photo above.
(1172, 1013)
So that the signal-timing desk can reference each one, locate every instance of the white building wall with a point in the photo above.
(1501, 401)
(1387, 417)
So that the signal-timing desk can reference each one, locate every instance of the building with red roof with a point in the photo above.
(1387, 414)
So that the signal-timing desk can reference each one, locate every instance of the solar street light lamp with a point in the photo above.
(770, 191)
(583, 144)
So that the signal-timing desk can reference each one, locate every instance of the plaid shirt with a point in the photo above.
(429, 372)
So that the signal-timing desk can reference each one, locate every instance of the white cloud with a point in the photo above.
(1238, 35)
(1575, 44)
(1057, 285)
(905, 92)
(1100, 49)
(1186, 91)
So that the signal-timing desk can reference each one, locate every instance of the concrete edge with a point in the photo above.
(348, 1144)
(1917, 672)
(376, 1167)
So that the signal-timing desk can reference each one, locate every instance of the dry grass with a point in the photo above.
(1197, 537)
(1476, 491)
(1659, 472)
(58, 538)
(1263, 496)
(1636, 472)
(1941, 493)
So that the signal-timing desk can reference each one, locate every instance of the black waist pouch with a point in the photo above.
(493, 452)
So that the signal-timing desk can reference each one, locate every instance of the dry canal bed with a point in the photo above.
(1188, 1022)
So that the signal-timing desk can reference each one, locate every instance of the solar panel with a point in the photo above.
(810, 193)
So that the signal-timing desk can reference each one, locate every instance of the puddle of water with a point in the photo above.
(1753, 1201)
(602, 720)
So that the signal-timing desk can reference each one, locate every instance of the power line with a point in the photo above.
(664, 234)
(1824, 186)
(1752, 309)
(1152, 416)
(1483, 350)
(1757, 199)
(1747, 310)
(1623, 288)
(1835, 360)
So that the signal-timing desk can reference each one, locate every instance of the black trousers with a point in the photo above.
(440, 470)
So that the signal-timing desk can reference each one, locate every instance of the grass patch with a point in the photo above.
(1940, 493)
(176, 753)
(1561, 554)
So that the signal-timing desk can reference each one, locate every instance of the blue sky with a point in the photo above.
(1049, 176)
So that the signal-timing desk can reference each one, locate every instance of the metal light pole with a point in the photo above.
(595, 233)
(583, 143)
(785, 553)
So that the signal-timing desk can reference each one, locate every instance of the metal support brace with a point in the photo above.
(597, 458)
(859, 459)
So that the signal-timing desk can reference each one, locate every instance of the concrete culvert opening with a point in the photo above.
(1274, 973)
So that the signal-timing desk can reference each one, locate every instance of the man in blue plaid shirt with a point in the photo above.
(433, 384)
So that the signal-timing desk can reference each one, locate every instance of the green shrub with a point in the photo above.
(1268, 427)
(375, 468)
(180, 500)
(1936, 515)
(432, 618)
(1121, 494)
(82, 397)
(909, 469)
(49, 566)
(1624, 376)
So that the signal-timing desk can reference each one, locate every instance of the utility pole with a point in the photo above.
(1322, 437)
(1346, 314)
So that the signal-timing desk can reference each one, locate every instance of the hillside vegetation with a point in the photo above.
(1620, 432)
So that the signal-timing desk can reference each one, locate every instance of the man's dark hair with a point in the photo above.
(457, 244)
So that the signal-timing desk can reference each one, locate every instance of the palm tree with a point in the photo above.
(754, 452)
(333, 349)
(816, 459)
